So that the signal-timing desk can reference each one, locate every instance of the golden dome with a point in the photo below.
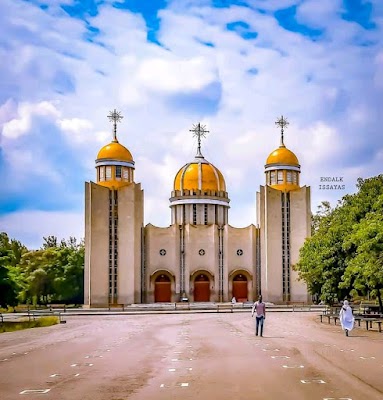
(115, 151)
(199, 175)
(282, 156)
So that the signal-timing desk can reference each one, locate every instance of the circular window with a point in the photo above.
(201, 252)
(239, 252)
(162, 252)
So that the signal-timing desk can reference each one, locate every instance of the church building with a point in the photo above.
(200, 257)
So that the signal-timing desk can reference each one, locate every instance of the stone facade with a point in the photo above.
(199, 257)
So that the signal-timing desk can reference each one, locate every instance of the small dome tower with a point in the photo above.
(282, 167)
(114, 163)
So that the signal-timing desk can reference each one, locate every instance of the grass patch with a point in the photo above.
(10, 326)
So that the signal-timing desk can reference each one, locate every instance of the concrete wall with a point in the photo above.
(130, 223)
(239, 239)
(300, 229)
(96, 244)
(202, 237)
(157, 238)
(270, 219)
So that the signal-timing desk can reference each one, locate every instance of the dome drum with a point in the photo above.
(100, 163)
(199, 194)
(272, 167)
(218, 202)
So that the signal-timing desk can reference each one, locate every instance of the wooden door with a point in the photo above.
(240, 288)
(162, 289)
(202, 288)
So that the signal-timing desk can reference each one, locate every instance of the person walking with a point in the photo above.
(346, 317)
(259, 309)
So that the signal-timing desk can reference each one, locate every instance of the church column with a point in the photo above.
(258, 286)
(286, 246)
(143, 268)
(220, 263)
(182, 293)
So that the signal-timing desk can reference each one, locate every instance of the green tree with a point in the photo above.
(364, 271)
(55, 272)
(10, 254)
(336, 246)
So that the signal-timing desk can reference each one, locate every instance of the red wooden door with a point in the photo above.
(162, 289)
(240, 287)
(162, 292)
(202, 288)
(240, 290)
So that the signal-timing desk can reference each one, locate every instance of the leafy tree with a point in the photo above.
(364, 271)
(10, 254)
(49, 241)
(324, 210)
(333, 262)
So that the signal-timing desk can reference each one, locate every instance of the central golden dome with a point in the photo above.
(199, 175)
(115, 151)
(282, 156)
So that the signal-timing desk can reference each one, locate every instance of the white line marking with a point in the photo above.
(366, 358)
(172, 369)
(30, 391)
(74, 365)
(312, 381)
(280, 357)
(184, 384)
(4, 359)
(77, 375)
(54, 375)
(89, 364)
(293, 366)
(162, 385)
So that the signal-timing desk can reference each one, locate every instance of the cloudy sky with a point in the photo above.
(233, 65)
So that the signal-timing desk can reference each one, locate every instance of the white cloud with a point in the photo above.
(176, 75)
(330, 90)
(78, 130)
(26, 111)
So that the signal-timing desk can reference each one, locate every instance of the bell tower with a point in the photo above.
(114, 213)
(284, 217)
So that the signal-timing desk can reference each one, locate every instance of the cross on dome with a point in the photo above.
(115, 116)
(282, 122)
(199, 131)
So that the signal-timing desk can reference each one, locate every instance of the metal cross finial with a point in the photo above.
(115, 116)
(199, 131)
(282, 122)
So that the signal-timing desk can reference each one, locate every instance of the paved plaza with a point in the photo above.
(191, 356)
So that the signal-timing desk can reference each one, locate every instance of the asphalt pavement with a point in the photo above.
(191, 356)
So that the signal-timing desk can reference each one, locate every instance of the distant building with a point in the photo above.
(199, 257)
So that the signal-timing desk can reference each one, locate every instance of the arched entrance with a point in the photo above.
(162, 289)
(240, 287)
(201, 288)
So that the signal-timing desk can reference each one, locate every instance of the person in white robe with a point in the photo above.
(346, 317)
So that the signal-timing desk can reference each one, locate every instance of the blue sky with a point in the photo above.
(166, 65)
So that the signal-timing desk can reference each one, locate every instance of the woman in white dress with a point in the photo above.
(346, 317)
